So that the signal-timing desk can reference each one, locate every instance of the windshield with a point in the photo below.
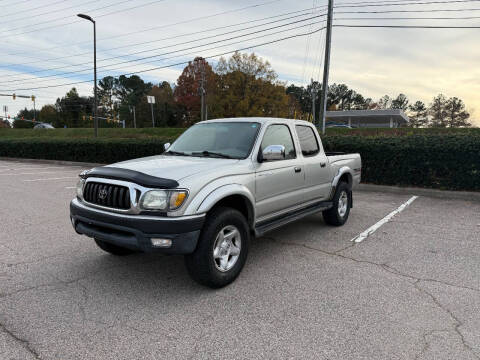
(217, 139)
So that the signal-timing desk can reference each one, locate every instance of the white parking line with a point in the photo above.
(34, 168)
(61, 178)
(71, 187)
(386, 219)
(34, 173)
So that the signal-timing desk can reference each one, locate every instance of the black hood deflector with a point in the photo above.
(132, 176)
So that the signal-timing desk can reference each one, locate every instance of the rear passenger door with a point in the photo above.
(278, 184)
(317, 174)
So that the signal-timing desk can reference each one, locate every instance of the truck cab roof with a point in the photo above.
(261, 120)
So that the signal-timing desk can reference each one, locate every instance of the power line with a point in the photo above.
(177, 64)
(406, 11)
(108, 67)
(407, 26)
(153, 41)
(77, 21)
(410, 18)
(409, 3)
(16, 3)
(158, 55)
(36, 8)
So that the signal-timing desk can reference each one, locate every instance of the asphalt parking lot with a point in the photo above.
(410, 290)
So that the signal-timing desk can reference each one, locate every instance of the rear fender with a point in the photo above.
(342, 171)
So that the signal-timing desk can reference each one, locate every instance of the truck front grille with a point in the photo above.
(113, 196)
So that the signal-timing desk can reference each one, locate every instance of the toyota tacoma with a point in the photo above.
(221, 183)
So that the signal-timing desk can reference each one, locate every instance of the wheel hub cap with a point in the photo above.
(226, 249)
(342, 204)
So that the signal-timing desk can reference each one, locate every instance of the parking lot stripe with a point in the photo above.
(34, 168)
(36, 173)
(61, 178)
(386, 219)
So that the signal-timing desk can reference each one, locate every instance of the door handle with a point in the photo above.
(298, 169)
(323, 164)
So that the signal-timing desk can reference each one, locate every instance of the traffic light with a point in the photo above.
(91, 117)
(14, 96)
(33, 97)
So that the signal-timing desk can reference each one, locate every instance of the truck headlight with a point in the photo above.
(80, 184)
(163, 200)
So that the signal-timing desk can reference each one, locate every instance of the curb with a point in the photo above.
(55, 162)
(442, 194)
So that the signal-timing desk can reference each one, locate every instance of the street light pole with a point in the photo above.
(95, 119)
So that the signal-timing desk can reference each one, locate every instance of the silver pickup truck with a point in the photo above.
(221, 183)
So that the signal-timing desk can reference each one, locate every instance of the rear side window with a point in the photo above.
(308, 140)
(279, 135)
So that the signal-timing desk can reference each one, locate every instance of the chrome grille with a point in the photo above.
(113, 196)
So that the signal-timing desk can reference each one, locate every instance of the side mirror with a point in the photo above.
(273, 152)
(166, 146)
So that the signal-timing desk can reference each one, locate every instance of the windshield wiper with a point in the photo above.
(171, 152)
(212, 154)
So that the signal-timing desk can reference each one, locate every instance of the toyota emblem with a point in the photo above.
(102, 194)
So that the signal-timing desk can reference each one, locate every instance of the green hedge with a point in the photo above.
(435, 161)
(83, 150)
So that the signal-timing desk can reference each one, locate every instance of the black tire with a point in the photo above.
(333, 215)
(201, 265)
(113, 249)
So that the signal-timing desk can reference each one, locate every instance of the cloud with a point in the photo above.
(419, 63)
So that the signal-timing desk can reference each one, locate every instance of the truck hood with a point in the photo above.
(174, 167)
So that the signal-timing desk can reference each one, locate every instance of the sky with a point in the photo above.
(46, 49)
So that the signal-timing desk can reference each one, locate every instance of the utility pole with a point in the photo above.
(132, 109)
(34, 111)
(326, 68)
(202, 94)
(314, 99)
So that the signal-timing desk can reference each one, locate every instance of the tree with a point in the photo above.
(187, 91)
(384, 102)
(106, 94)
(131, 91)
(72, 108)
(437, 111)
(400, 102)
(455, 113)
(248, 86)
(48, 114)
(419, 115)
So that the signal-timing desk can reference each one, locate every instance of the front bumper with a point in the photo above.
(135, 231)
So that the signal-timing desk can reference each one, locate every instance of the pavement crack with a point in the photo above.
(25, 343)
(416, 282)
(455, 319)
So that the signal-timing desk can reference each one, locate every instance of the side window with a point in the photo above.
(279, 135)
(308, 140)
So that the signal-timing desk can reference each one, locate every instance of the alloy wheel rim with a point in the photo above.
(227, 248)
(342, 204)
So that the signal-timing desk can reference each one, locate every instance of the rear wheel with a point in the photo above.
(337, 215)
(113, 249)
(222, 249)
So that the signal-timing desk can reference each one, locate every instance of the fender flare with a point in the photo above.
(342, 171)
(211, 199)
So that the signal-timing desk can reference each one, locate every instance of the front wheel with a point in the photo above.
(337, 215)
(222, 249)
